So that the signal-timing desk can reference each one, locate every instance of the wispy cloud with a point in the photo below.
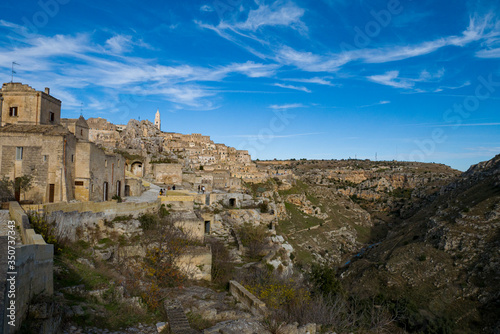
(206, 8)
(481, 28)
(375, 104)
(301, 88)
(107, 66)
(277, 14)
(488, 53)
(472, 124)
(442, 88)
(316, 80)
(286, 106)
(392, 79)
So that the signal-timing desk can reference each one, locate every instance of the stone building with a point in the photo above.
(24, 105)
(63, 163)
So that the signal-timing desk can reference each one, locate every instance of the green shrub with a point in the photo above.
(148, 221)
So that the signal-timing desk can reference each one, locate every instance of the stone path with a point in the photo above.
(150, 195)
(177, 318)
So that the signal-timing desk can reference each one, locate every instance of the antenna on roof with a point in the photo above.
(12, 74)
(81, 109)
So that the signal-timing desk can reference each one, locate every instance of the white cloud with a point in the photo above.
(252, 70)
(301, 88)
(375, 104)
(392, 79)
(316, 80)
(286, 106)
(206, 8)
(488, 53)
(278, 14)
(483, 28)
(119, 43)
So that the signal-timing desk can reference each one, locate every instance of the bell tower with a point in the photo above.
(157, 119)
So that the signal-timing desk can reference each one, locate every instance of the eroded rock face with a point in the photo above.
(446, 257)
(141, 136)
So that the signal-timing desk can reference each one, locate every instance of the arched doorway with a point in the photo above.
(119, 188)
(137, 169)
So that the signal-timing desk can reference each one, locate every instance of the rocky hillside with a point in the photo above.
(440, 268)
(336, 208)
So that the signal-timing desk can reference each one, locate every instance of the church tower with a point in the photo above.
(157, 119)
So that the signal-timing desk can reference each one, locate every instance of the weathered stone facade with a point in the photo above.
(168, 173)
(22, 104)
(45, 152)
(57, 153)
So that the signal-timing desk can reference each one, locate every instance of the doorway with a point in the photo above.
(105, 191)
(51, 192)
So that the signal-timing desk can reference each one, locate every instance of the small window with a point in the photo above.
(81, 132)
(13, 111)
(79, 183)
(92, 188)
(45, 158)
(51, 116)
(19, 153)
(72, 158)
(105, 163)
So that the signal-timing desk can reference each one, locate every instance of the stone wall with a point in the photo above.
(48, 156)
(33, 107)
(34, 268)
(110, 207)
(256, 306)
(168, 173)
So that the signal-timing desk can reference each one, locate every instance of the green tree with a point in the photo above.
(8, 187)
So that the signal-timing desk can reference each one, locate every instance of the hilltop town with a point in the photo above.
(124, 228)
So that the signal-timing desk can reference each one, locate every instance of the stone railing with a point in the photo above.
(255, 305)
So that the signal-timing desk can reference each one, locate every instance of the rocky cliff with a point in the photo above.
(441, 266)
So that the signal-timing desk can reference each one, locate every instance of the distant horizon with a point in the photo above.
(397, 79)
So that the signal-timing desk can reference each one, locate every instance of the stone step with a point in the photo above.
(177, 319)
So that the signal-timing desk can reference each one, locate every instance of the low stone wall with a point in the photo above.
(256, 306)
(34, 264)
(34, 268)
(109, 207)
(28, 235)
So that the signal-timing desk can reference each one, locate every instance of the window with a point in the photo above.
(72, 158)
(19, 153)
(81, 132)
(78, 183)
(13, 111)
(45, 158)
(51, 116)
(105, 163)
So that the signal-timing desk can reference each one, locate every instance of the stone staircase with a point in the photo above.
(177, 320)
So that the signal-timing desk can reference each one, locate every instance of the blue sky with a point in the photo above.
(324, 79)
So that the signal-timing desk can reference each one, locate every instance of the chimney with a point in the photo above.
(47, 90)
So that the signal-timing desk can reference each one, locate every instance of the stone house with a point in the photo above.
(57, 153)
